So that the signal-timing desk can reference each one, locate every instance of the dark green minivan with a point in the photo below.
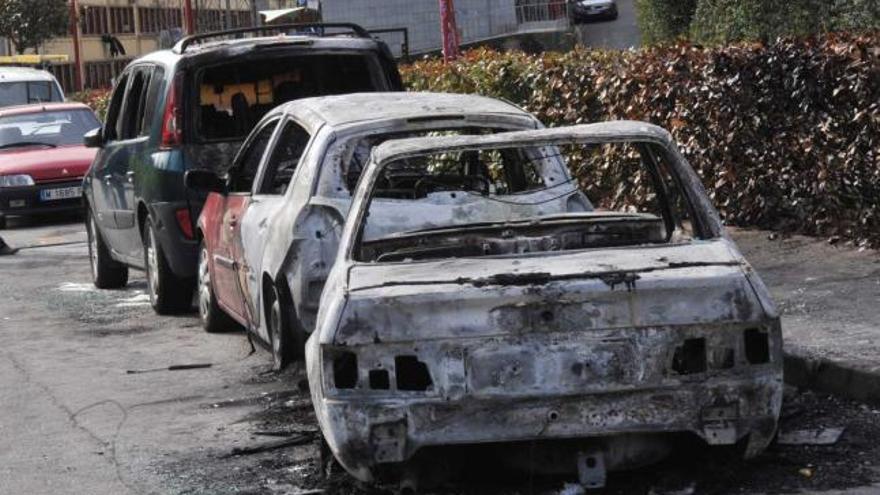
(190, 108)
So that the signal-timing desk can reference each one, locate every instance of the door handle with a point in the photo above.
(130, 176)
(108, 178)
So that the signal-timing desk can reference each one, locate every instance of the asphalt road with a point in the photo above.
(75, 419)
(620, 34)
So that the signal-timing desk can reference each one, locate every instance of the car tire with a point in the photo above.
(213, 318)
(285, 335)
(2, 222)
(107, 273)
(168, 294)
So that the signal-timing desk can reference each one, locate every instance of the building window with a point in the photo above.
(121, 20)
(93, 20)
(156, 19)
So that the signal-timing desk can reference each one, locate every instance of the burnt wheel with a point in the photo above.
(284, 332)
(107, 273)
(213, 318)
(168, 294)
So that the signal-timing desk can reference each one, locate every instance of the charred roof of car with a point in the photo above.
(622, 130)
(363, 107)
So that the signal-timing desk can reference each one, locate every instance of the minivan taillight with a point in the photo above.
(172, 118)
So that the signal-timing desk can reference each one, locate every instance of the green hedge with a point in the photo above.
(723, 21)
(785, 136)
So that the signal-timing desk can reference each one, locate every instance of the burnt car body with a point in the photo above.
(270, 232)
(191, 108)
(527, 315)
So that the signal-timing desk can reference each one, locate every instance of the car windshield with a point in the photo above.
(55, 128)
(233, 97)
(25, 92)
(515, 200)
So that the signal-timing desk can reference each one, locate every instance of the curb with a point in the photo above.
(833, 377)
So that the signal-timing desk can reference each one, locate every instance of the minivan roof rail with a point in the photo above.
(358, 31)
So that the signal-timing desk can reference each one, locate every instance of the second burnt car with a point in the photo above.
(566, 302)
(270, 228)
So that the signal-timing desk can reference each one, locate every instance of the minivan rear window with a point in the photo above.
(234, 97)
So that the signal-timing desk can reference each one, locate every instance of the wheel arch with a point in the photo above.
(142, 213)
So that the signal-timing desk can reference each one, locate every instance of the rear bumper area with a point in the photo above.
(29, 200)
(631, 389)
(181, 252)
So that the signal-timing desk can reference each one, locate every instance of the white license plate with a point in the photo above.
(60, 193)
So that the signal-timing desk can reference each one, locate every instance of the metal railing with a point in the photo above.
(528, 11)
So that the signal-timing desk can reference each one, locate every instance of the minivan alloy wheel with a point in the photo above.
(93, 247)
(107, 273)
(152, 265)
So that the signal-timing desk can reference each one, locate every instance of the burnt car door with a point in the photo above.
(242, 176)
(275, 178)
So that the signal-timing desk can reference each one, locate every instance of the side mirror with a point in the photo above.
(94, 138)
(204, 181)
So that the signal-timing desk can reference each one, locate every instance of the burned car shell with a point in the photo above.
(292, 239)
(564, 345)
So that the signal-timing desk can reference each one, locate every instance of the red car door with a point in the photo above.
(225, 280)
(227, 252)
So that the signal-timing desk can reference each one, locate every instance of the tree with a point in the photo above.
(28, 23)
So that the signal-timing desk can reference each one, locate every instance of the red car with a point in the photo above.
(42, 158)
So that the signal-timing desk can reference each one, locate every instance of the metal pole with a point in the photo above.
(188, 17)
(449, 30)
(255, 14)
(77, 59)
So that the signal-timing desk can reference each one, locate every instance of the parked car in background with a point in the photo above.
(190, 108)
(42, 158)
(555, 324)
(23, 86)
(270, 231)
(592, 10)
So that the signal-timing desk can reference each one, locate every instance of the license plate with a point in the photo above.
(60, 193)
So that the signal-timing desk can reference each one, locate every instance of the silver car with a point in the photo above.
(566, 297)
(270, 230)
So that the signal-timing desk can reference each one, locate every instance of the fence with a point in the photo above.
(541, 11)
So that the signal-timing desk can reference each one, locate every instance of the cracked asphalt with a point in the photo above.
(88, 405)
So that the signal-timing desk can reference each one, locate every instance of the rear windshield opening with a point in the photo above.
(531, 199)
(234, 97)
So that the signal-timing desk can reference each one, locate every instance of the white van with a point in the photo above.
(23, 86)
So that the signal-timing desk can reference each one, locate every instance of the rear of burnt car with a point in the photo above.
(594, 335)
